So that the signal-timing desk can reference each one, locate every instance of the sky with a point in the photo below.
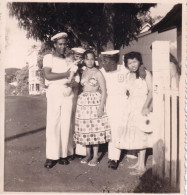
(161, 9)
(18, 45)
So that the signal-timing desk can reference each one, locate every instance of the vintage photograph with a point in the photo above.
(93, 97)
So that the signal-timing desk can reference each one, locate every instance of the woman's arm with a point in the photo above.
(148, 102)
(102, 84)
(54, 76)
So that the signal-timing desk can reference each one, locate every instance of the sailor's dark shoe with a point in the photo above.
(63, 161)
(72, 157)
(112, 164)
(50, 163)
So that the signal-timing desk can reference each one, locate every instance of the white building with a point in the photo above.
(145, 28)
(35, 80)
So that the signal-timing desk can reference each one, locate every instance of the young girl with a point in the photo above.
(140, 104)
(91, 123)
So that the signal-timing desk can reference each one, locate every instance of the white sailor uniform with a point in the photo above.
(116, 102)
(59, 110)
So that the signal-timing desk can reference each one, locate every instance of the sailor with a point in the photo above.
(115, 76)
(59, 107)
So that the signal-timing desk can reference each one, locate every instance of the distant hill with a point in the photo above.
(11, 71)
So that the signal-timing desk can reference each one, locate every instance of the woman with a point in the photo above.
(91, 122)
(140, 105)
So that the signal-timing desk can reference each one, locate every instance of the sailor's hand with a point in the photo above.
(68, 73)
(145, 111)
(73, 84)
(142, 72)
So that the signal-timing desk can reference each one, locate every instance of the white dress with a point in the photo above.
(131, 137)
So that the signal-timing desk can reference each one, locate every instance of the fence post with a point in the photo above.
(174, 140)
(161, 147)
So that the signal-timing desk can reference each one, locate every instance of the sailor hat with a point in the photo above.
(78, 50)
(110, 53)
(59, 36)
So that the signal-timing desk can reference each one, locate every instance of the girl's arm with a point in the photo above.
(49, 75)
(102, 84)
(148, 102)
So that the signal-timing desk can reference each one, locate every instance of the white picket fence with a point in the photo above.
(166, 159)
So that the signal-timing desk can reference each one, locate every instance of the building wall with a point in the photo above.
(144, 42)
(35, 86)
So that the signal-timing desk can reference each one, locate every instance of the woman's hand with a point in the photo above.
(150, 108)
(145, 111)
(100, 112)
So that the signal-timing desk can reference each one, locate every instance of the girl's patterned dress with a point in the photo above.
(131, 136)
(89, 128)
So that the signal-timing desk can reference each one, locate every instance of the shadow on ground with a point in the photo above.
(151, 184)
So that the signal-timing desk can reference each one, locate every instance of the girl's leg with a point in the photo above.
(94, 160)
(88, 155)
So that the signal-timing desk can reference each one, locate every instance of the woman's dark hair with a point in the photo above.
(132, 55)
(89, 52)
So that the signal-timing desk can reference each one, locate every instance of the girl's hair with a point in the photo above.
(132, 55)
(174, 60)
(89, 52)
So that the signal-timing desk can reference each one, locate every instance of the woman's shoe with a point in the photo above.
(50, 163)
(138, 172)
(85, 160)
(63, 161)
(135, 166)
(131, 156)
(93, 164)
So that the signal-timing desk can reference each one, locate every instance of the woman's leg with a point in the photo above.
(88, 155)
(94, 160)
(141, 167)
(136, 166)
(142, 160)
(95, 152)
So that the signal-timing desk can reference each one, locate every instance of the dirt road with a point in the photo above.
(25, 157)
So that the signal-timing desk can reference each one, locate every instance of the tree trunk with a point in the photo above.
(109, 14)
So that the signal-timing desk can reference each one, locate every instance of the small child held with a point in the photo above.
(91, 125)
(70, 60)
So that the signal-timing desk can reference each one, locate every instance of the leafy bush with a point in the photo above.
(10, 89)
(22, 80)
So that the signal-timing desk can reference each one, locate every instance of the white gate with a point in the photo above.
(166, 111)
